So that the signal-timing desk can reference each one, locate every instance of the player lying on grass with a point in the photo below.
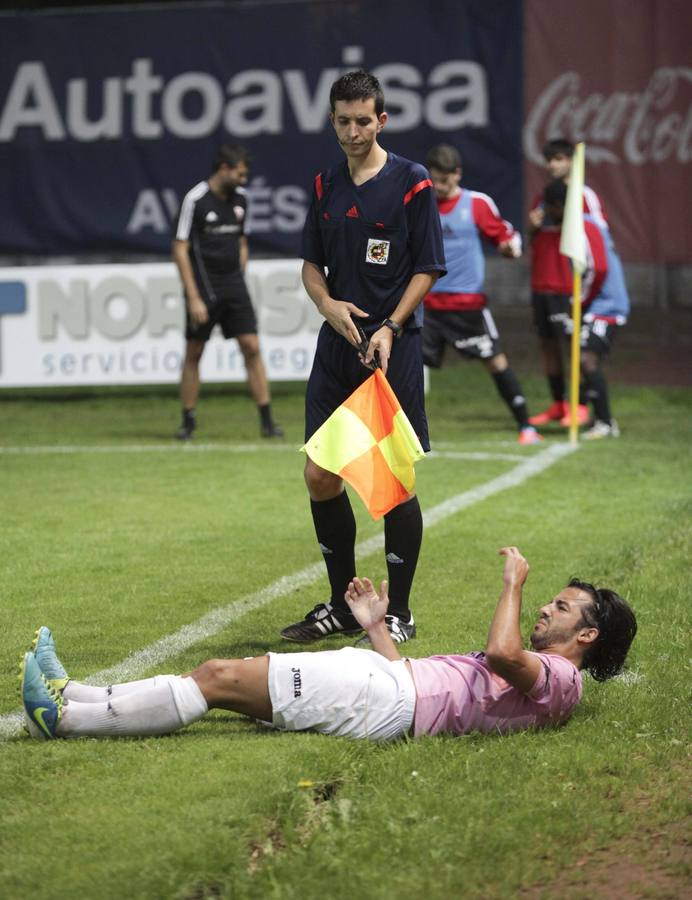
(362, 693)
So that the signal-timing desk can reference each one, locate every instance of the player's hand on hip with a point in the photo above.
(380, 344)
(365, 603)
(516, 568)
(198, 311)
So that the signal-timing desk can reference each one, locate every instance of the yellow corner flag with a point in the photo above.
(369, 442)
(573, 244)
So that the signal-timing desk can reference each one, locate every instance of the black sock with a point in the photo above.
(403, 534)
(265, 413)
(557, 387)
(189, 418)
(335, 527)
(597, 392)
(510, 390)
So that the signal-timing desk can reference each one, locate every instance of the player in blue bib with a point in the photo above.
(372, 249)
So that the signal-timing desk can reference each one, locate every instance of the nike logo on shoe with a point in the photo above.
(37, 715)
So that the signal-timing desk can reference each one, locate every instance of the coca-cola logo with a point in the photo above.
(653, 125)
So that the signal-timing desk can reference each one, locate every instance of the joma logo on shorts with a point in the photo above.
(297, 682)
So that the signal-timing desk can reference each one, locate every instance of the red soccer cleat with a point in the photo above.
(529, 436)
(554, 413)
(582, 416)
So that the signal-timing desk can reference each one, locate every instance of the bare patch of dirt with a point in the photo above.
(649, 864)
(320, 796)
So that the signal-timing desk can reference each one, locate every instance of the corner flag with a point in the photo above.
(369, 442)
(573, 236)
(573, 244)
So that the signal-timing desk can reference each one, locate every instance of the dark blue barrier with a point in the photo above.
(108, 117)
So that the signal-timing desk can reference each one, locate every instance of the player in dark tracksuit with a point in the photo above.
(372, 248)
(210, 251)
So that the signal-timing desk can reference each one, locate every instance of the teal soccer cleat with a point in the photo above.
(42, 704)
(43, 647)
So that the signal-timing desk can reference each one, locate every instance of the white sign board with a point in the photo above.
(124, 324)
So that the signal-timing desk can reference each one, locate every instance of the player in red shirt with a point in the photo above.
(558, 155)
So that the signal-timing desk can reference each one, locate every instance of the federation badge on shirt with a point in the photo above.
(377, 252)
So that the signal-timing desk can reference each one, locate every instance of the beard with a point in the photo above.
(548, 637)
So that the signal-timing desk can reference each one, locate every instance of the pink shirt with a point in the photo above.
(459, 694)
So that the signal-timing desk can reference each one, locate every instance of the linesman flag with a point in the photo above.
(369, 442)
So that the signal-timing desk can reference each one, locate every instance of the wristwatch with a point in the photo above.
(394, 326)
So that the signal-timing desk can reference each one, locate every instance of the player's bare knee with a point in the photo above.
(249, 347)
(322, 485)
(212, 675)
(496, 364)
(193, 352)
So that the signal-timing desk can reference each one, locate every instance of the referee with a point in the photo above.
(210, 250)
(372, 249)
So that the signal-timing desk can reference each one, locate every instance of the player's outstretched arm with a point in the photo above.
(369, 608)
(505, 652)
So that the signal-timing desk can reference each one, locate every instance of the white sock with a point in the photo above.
(87, 693)
(168, 702)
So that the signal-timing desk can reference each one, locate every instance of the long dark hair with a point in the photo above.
(616, 625)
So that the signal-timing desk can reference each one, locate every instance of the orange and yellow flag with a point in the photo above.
(369, 442)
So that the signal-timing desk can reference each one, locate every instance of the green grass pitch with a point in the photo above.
(121, 539)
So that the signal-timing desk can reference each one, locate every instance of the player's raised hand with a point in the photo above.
(516, 568)
(365, 603)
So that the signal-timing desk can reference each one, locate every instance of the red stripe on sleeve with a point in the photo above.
(417, 187)
(318, 185)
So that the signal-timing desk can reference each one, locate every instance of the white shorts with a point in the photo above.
(349, 692)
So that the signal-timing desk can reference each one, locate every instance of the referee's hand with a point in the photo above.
(338, 313)
(380, 348)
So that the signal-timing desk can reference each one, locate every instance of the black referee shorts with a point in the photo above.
(337, 372)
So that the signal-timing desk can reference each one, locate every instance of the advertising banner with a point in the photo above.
(107, 117)
(619, 77)
(124, 324)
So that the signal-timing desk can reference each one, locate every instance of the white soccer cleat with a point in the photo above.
(600, 430)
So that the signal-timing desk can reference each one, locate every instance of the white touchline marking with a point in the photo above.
(67, 450)
(480, 456)
(148, 657)
(143, 448)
